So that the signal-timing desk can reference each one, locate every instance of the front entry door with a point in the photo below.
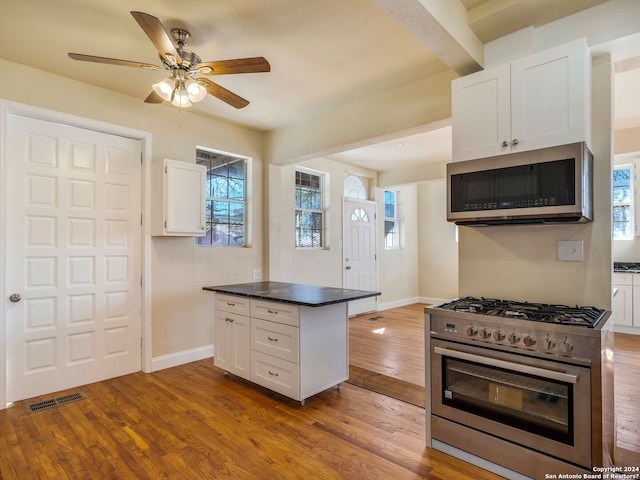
(73, 256)
(360, 252)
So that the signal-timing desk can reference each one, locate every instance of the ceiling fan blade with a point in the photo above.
(223, 94)
(153, 98)
(158, 36)
(239, 65)
(113, 61)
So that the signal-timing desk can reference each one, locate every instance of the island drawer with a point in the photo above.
(275, 312)
(275, 374)
(275, 339)
(233, 304)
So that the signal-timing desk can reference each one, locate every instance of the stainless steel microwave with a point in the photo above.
(550, 185)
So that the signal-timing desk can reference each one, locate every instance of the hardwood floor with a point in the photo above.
(390, 342)
(193, 422)
(392, 346)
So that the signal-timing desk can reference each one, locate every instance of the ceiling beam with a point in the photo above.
(442, 26)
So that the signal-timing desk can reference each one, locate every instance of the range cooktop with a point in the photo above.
(537, 312)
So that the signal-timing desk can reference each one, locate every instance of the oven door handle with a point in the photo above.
(516, 367)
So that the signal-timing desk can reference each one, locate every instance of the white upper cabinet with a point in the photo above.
(178, 198)
(536, 101)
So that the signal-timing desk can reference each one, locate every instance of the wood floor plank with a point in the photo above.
(193, 422)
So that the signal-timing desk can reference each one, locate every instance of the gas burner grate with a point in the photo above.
(538, 312)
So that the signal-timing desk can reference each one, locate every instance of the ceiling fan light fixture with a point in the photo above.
(165, 88)
(195, 90)
(181, 97)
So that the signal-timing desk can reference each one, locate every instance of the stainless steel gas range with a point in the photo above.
(520, 386)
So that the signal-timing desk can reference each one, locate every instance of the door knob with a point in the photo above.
(15, 297)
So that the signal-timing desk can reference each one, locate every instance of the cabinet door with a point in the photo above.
(549, 97)
(232, 351)
(623, 305)
(481, 116)
(178, 198)
(276, 374)
(276, 312)
(634, 318)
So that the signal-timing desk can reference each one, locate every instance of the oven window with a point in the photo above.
(534, 404)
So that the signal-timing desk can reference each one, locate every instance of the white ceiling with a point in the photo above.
(323, 54)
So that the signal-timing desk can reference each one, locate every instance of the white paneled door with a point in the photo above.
(360, 252)
(73, 256)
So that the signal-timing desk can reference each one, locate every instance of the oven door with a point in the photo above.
(541, 404)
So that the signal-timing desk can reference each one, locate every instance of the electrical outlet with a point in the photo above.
(570, 250)
(257, 274)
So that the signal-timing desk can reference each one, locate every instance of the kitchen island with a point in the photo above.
(288, 337)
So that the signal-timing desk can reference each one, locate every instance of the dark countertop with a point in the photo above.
(626, 267)
(293, 293)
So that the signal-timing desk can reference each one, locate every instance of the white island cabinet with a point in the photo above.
(289, 338)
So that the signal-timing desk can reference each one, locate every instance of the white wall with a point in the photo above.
(438, 249)
(180, 309)
(398, 268)
(322, 266)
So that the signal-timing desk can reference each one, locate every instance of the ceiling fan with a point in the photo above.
(184, 87)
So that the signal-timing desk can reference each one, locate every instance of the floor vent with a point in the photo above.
(54, 402)
(378, 317)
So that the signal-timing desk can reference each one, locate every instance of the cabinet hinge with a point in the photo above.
(165, 169)
(141, 220)
(141, 160)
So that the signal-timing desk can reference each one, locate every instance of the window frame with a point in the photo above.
(321, 211)
(230, 201)
(629, 204)
(395, 220)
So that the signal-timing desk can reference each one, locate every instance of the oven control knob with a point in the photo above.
(566, 346)
(498, 335)
(529, 340)
(548, 343)
(485, 332)
(471, 331)
(513, 338)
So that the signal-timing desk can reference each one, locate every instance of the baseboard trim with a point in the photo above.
(410, 301)
(398, 303)
(180, 358)
(434, 300)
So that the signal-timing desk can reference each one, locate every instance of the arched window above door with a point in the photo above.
(354, 187)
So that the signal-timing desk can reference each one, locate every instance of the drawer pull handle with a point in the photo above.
(229, 319)
(272, 339)
(273, 312)
(273, 374)
(229, 304)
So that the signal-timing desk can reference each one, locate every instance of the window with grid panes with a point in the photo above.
(309, 209)
(622, 203)
(226, 192)
(391, 222)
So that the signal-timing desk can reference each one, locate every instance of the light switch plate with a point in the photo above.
(257, 274)
(570, 250)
